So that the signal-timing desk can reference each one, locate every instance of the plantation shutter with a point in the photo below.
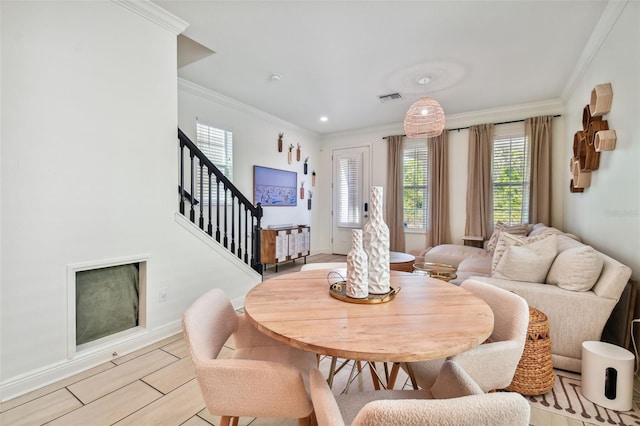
(510, 173)
(415, 183)
(350, 191)
(217, 145)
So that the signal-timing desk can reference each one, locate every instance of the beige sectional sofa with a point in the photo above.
(577, 311)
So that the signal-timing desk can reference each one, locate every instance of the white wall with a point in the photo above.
(255, 136)
(458, 153)
(89, 173)
(607, 214)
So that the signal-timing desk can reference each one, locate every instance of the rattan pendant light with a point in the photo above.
(425, 119)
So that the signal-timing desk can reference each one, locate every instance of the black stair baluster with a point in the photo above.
(225, 239)
(239, 229)
(218, 209)
(181, 177)
(233, 226)
(192, 213)
(246, 235)
(201, 219)
(210, 225)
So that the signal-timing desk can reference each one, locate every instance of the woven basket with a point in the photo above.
(534, 374)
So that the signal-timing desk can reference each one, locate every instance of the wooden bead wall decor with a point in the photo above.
(594, 138)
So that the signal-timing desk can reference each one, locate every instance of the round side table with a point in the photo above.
(534, 374)
(401, 261)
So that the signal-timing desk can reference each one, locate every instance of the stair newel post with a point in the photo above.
(210, 225)
(181, 177)
(257, 262)
(192, 213)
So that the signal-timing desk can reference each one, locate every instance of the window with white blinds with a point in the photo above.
(217, 145)
(415, 183)
(349, 198)
(510, 172)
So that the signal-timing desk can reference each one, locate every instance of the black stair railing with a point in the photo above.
(229, 228)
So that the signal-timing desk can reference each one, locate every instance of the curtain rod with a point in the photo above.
(495, 124)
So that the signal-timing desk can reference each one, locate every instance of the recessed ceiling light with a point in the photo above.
(324, 118)
(424, 80)
(275, 77)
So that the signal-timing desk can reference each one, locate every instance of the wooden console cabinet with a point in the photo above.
(284, 244)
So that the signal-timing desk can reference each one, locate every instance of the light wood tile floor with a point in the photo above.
(169, 395)
(156, 386)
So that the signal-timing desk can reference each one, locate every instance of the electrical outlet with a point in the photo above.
(162, 294)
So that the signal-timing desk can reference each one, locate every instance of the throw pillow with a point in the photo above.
(507, 240)
(576, 269)
(528, 262)
(520, 229)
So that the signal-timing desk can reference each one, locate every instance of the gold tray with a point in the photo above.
(441, 271)
(339, 291)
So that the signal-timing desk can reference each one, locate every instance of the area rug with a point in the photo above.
(567, 400)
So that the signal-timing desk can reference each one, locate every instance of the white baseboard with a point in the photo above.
(84, 360)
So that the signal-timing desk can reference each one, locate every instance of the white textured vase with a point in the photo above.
(376, 244)
(357, 268)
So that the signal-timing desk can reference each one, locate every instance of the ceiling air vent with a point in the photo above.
(389, 97)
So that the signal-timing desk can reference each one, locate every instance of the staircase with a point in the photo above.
(216, 206)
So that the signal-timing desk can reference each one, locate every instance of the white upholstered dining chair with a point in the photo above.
(453, 400)
(492, 364)
(263, 378)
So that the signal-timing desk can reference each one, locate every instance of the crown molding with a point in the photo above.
(386, 129)
(508, 113)
(599, 34)
(203, 92)
(155, 14)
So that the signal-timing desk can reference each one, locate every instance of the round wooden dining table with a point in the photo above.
(427, 318)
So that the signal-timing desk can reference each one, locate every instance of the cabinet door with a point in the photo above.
(267, 246)
(282, 246)
(291, 241)
(305, 241)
